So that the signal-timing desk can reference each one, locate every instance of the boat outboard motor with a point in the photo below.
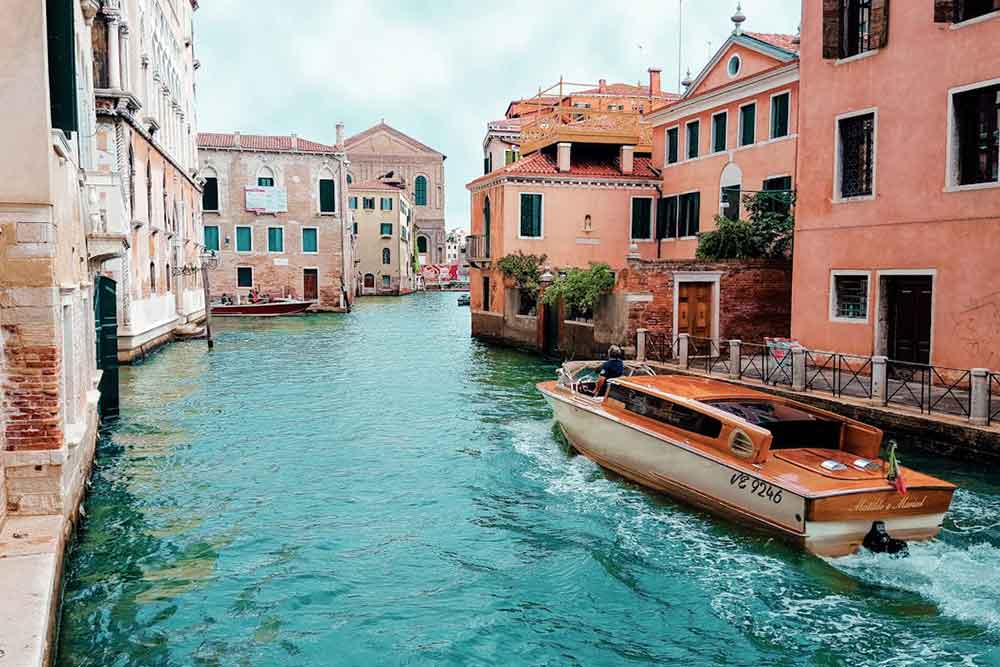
(880, 542)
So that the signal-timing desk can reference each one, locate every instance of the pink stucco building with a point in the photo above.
(897, 241)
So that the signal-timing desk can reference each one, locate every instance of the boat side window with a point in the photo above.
(790, 427)
(667, 412)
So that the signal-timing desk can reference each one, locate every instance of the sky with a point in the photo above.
(439, 70)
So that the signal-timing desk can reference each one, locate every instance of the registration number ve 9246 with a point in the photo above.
(756, 487)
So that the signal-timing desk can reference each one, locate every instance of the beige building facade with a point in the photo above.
(275, 212)
(382, 149)
(144, 80)
(385, 229)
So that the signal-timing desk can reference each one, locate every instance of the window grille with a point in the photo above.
(851, 297)
(856, 28)
(857, 154)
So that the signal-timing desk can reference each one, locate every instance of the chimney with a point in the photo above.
(562, 161)
(602, 86)
(236, 139)
(627, 159)
(340, 133)
(295, 142)
(655, 87)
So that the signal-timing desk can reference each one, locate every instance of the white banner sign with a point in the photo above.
(266, 199)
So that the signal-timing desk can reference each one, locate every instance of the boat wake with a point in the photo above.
(862, 610)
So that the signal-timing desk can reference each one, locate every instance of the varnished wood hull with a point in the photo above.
(832, 525)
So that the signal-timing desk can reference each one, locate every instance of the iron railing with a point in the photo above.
(708, 354)
(477, 248)
(661, 347)
(992, 384)
(929, 388)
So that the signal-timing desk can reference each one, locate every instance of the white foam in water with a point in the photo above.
(772, 599)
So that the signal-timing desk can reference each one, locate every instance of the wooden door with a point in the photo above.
(694, 309)
(910, 318)
(106, 323)
(310, 284)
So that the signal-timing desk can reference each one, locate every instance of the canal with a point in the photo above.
(377, 488)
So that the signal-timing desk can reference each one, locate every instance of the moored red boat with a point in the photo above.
(808, 475)
(260, 309)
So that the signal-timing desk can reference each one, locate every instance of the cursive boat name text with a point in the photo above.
(756, 487)
(882, 504)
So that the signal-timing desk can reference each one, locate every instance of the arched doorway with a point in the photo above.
(422, 245)
(730, 188)
(368, 284)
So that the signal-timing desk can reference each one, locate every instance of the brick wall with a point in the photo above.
(31, 386)
(755, 297)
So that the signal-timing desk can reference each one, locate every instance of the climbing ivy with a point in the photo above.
(580, 289)
(524, 270)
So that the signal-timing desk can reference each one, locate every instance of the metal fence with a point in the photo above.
(929, 388)
(708, 355)
(992, 401)
(839, 374)
(661, 347)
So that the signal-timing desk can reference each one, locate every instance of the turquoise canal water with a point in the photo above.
(377, 488)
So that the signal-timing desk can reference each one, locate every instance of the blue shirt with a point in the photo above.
(613, 368)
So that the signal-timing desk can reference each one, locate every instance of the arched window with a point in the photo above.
(420, 190)
(265, 177)
(350, 179)
(152, 277)
(386, 256)
(486, 225)
(327, 198)
(168, 277)
(149, 191)
(730, 185)
(210, 194)
(422, 245)
(369, 280)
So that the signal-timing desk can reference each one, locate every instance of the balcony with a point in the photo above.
(108, 228)
(477, 250)
(579, 125)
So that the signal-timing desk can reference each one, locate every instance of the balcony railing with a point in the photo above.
(587, 126)
(477, 249)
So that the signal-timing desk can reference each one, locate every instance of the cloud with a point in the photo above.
(437, 70)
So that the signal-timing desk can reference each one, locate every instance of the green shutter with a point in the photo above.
(719, 132)
(265, 182)
(59, 17)
(641, 210)
(531, 215)
(275, 239)
(244, 276)
(210, 195)
(672, 145)
(309, 240)
(692, 139)
(353, 202)
(327, 201)
(779, 116)
(244, 239)
(748, 125)
(671, 217)
(385, 229)
(420, 191)
(211, 238)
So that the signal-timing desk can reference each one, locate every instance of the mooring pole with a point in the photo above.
(209, 258)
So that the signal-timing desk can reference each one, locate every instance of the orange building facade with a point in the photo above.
(734, 132)
(897, 241)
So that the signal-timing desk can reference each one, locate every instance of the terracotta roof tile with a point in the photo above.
(626, 89)
(544, 164)
(261, 142)
(786, 42)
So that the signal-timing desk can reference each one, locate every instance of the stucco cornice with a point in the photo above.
(750, 87)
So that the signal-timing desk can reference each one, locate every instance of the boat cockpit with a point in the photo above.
(580, 377)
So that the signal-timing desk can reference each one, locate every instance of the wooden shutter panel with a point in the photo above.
(831, 29)
(944, 11)
(880, 23)
(62, 64)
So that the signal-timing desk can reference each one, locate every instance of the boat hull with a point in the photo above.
(732, 491)
(271, 309)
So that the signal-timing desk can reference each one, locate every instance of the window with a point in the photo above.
(352, 202)
(748, 124)
(666, 412)
(531, 216)
(350, 179)
(779, 115)
(854, 27)
(244, 239)
(487, 164)
(527, 302)
(420, 190)
(210, 195)
(386, 256)
(672, 149)
(850, 296)
(733, 66)
(965, 10)
(680, 216)
(486, 292)
(386, 282)
(385, 204)
(779, 193)
(368, 203)
(731, 205)
(692, 139)
(719, 132)
(616, 107)
(152, 277)
(354, 228)
(421, 245)
(310, 240)
(857, 155)
(59, 18)
(327, 200)
(385, 229)
(244, 276)
(486, 227)
(211, 237)
(509, 157)
(977, 127)
(642, 217)
(275, 239)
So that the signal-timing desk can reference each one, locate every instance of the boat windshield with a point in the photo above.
(790, 427)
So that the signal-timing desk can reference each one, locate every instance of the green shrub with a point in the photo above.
(524, 270)
(581, 289)
(766, 235)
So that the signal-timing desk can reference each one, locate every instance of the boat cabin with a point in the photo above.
(744, 423)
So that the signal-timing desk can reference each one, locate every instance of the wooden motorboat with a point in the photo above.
(464, 300)
(808, 475)
(260, 309)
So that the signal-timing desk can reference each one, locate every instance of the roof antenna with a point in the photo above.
(680, 31)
